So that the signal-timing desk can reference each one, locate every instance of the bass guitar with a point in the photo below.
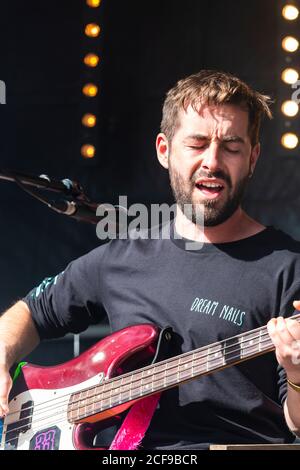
(65, 406)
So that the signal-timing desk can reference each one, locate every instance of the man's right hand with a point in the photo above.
(18, 337)
(5, 387)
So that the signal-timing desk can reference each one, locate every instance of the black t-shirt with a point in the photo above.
(207, 295)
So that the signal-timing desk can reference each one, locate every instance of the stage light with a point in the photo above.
(92, 30)
(90, 90)
(289, 140)
(93, 3)
(290, 44)
(290, 12)
(290, 108)
(89, 120)
(88, 151)
(290, 76)
(91, 60)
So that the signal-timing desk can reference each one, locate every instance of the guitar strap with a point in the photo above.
(135, 425)
(137, 421)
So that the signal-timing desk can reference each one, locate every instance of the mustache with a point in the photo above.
(219, 174)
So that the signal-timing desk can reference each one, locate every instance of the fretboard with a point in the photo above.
(169, 373)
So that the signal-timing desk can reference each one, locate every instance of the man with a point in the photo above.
(244, 276)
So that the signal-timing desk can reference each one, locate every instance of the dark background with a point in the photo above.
(145, 47)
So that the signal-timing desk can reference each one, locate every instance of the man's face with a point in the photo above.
(209, 160)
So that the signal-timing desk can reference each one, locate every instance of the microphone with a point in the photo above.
(83, 212)
(79, 207)
(86, 211)
(65, 186)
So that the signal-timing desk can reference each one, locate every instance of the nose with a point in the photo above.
(211, 157)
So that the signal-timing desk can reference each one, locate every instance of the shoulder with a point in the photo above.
(283, 242)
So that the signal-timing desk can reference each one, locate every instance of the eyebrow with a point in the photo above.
(226, 139)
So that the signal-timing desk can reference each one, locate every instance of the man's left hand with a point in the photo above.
(285, 335)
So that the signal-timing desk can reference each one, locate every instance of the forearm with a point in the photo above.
(18, 334)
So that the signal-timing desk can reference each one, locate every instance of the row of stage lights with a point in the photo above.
(90, 90)
(290, 76)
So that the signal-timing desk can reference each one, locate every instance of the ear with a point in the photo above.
(162, 150)
(254, 157)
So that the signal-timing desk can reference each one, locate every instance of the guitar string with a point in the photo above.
(50, 424)
(111, 381)
(42, 409)
(152, 366)
(39, 420)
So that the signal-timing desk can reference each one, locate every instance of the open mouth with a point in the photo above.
(210, 189)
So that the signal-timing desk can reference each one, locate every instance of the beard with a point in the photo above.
(209, 212)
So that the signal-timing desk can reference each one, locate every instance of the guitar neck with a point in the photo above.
(170, 373)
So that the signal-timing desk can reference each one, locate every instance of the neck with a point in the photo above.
(237, 227)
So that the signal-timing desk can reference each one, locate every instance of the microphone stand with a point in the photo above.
(77, 206)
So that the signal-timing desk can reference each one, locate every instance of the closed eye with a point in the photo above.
(231, 150)
(197, 147)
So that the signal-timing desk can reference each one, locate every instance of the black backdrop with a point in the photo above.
(145, 47)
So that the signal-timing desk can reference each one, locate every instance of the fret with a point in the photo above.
(184, 360)
(77, 407)
(96, 396)
(215, 357)
(159, 382)
(185, 366)
(89, 402)
(147, 382)
(231, 350)
(193, 364)
(141, 386)
(93, 407)
(130, 390)
(83, 403)
(127, 380)
(101, 397)
(160, 372)
(223, 353)
(73, 408)
(184, 374)
(165, 376)
(266, 342)
(105, 399)
(152, 381)
(260, 340)
(200, 368)
(82, 398)
(249, 344)
(110, 396)
(120, 394)
(126, 396)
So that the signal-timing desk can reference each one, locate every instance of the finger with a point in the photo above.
(283, 332)
(294, 328)
(5, 387)
(271, 326)
(296, 304)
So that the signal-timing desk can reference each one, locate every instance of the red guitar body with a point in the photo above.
(39, 400)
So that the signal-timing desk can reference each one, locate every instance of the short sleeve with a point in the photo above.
(71, 300)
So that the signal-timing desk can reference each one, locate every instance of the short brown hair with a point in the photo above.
(214, 88)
